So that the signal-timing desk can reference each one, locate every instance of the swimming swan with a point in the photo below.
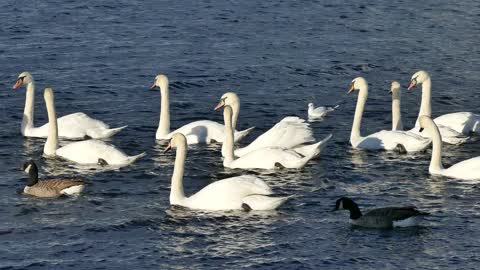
(468, 169)
(202, 131)
(263, 158)
(74, 126)
(461, 122)
(290, 133)
(83, 152)
(385, 139)
(449, 135)
(240, 192)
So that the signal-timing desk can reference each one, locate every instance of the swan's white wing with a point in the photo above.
(75, 126)
(390, 139)
(462, 122)
(228, 193)
(88, 152)
(288, 133)
(468, 169)
(268, 158)
(449, 135)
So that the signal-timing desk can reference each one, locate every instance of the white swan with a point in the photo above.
(449, 135)
(264, 158)
(290, 133)
(319, 112)
(460, 122)
(73, 126)
(203, 131)
(241, 192)
(83, 152)
(385, 139)
(468, 169)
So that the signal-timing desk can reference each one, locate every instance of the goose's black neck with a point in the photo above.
(33, 175)
(355, 212)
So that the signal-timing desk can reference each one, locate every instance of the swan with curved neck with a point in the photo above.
(382, 140)
(468, 169)
(73, 126)
(461, 122)
(235, 193)
(83, 152)
(290, 133)
(263, 158)
(203, 131)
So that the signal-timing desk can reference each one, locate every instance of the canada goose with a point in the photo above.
(49, 188)
(387, 217)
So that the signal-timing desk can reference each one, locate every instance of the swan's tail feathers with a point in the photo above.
(457, 140)
(132, 159)
(243, 133)
(263, 202)
(312, 150)
(103, 133)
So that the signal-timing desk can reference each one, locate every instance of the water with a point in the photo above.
(100, 57)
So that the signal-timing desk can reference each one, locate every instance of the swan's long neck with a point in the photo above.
(236, 110)
(164, 124)
(396, 112)
(436, 161)
(51, 144)
(27, 121)
(426, 106)
(228, 143)
(357, 120)
(176, 191)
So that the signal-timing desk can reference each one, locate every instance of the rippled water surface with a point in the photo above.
(101, 57)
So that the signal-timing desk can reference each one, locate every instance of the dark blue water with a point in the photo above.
(101, 56)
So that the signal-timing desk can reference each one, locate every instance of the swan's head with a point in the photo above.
(310, 105)
(425, 122)
(161, 81)
(357, 84)
(178, 139)
(48, 94)
(229, 98)
(23, 78)
(418, 78)
(395, 88)
(344, 203)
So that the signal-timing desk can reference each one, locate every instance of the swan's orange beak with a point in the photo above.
(412, 84)
(169, 146)
(153, 86)
(219, 105)
(352, 88)
(18, 83)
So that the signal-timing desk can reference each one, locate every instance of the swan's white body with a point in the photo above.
(83, 152)
(90, 151)
(74, 126)
(319, 112)
(203, 131)
(263, 158)
(290, 133)
(468, 169)
(451, 126)
(382, 140)
(235, 193)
